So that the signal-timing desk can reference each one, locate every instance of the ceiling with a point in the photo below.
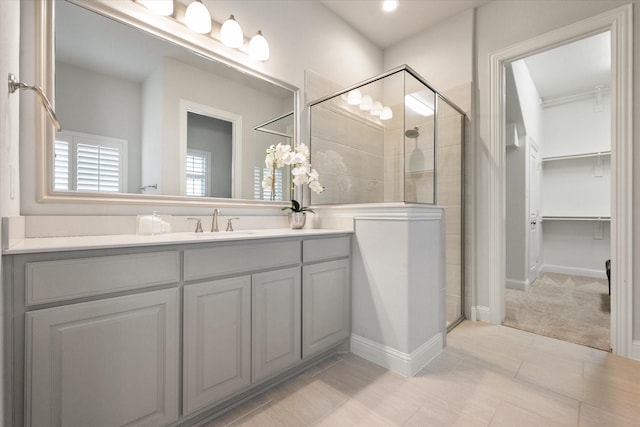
(411, 17)
(572, 68)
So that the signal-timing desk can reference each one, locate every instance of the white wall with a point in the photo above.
(117, 115)
(518, 191)
(575, 127)
(9, 121)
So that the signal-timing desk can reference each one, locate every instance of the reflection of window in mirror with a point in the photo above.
(260, 193)
(213, 138)
(93, 163)
(198, 172)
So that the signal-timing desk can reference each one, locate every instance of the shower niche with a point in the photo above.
(386, 140)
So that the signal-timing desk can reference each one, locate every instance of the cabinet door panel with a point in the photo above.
(104, 363)
(217, 340)
(276, 321)
(326, 306)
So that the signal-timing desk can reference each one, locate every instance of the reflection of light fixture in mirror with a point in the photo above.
(161, 7)
(419, 107)
(386, 113)
(258, 47)
(197, 17)
(366, 103)
(389, 5)
(231, 33)
(376, 109)
(354, 97)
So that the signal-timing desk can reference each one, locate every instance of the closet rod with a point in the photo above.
(577, 156)
(576, 218)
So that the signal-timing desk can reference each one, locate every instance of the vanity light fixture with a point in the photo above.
(354, 97)
(389, 5)
(160, 7)
(231, 33)
(198, 18)
(386, 113)
(259, 47)
(376, 109)
(366, 103)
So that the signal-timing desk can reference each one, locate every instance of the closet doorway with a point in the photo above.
(558, 192)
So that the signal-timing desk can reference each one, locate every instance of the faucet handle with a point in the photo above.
(198, 224)
(229, 224)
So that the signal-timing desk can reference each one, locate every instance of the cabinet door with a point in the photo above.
(276, 321)
(217, 340)
(326, 305)
(112, 362)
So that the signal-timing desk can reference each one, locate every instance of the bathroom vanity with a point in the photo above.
(170, 329)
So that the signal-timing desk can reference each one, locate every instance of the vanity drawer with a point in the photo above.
(50, 281)
(327, 248)
(216, 261)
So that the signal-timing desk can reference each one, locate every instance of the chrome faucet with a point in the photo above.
(214, 223)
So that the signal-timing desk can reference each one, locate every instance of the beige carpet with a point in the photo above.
(570, 308)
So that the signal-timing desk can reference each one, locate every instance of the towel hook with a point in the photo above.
(15, 85)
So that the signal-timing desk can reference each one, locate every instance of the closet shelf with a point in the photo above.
(576, 156)
(576, 218)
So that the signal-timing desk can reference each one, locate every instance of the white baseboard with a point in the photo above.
(550, 268)
(635, 350)
(481, 313)
(518, 285)
(390, 358)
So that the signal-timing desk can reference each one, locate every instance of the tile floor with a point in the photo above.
(487, 376)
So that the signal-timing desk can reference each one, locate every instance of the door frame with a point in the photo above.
(619, 22)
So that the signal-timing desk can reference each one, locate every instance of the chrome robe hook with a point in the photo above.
(15, 85)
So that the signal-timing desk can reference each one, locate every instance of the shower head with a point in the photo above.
(412, 133)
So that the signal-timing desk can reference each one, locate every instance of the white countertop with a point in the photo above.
(74, 243)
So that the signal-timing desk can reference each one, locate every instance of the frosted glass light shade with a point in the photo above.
(354, 97)
(258, 47)
(231, 33)
(366, 103)
(197, 18)
(376, 109)
(160, 7)
(386, 113)
(389, 5)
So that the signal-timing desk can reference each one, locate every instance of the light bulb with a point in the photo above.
(366, 103)
(231, 33)
(258, 47)
(386, 113)
(197, 18)
(376, 109)
(389, 5)
(354, 97)
(161, 7)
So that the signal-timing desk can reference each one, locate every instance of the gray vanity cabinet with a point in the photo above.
(326, 294)
(111, 362)
(217, 341)
(166, 335)
(276, 321)
(326, 305)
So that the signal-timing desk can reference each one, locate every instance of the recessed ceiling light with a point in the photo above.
(389, 5)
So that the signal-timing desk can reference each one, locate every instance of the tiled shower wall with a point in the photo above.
(449, 195)
(348, 154)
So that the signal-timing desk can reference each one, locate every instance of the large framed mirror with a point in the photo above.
(149, 114)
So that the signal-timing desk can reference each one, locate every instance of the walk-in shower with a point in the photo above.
(394, 138)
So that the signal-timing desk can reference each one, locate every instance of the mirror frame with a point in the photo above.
(167, 28)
